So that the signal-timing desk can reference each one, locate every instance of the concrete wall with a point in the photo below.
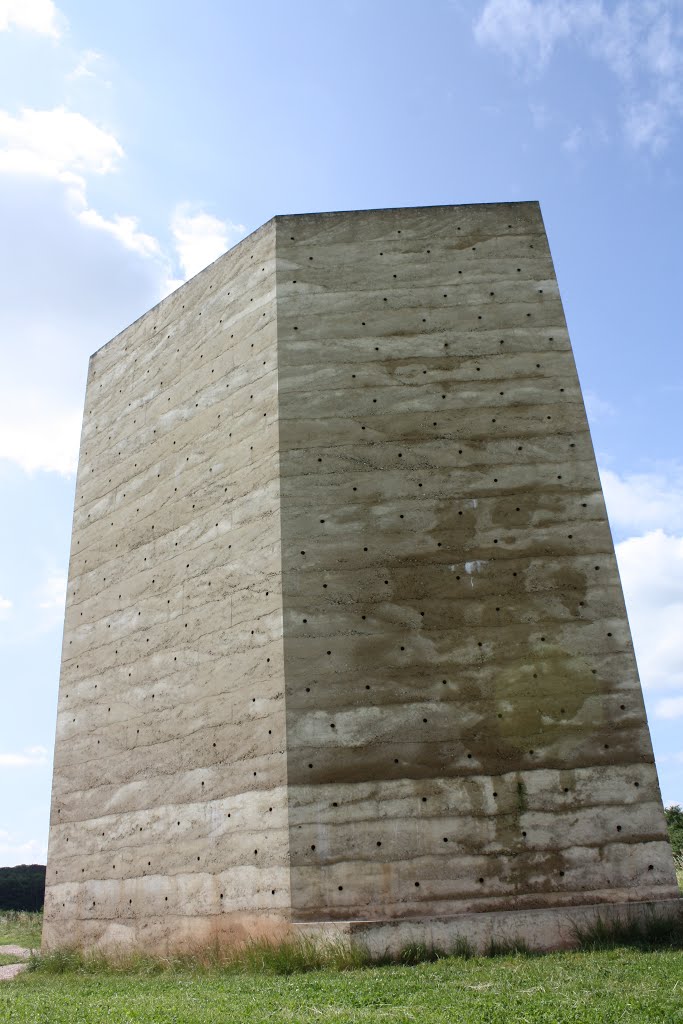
(344, 635)
(169, 811)
(464, 718)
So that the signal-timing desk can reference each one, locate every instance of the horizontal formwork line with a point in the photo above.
(485, 780)
(331, 611)
(542, 760)
(291, 601)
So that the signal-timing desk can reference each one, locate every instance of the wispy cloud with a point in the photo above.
(644, 501)
(86, 63)
(30, 757)
(52, 593)
(529, 30)
(58, 143)
(597, 408)
(648, 507)
(14, 850)
(46, 440)
(65, 146)
(540, 116)
(641, 43)
(200, 237)
(648, 123)
(651, 569)
(670, 707)
(573, 141)
(125, 229)
(56, 153)
(40, 16)
(5, 607)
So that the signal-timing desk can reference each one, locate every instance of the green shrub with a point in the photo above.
(674, 823)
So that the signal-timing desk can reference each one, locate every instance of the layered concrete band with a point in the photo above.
(345, 649)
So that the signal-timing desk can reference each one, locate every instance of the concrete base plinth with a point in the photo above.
(540, 930)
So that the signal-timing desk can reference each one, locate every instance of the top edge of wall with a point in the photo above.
(284, 217)
(269, 225)
(405, 209)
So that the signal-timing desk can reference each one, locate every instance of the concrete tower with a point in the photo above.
(345, 639)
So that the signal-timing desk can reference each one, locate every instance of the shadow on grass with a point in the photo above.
(294, 956)
(646, 933)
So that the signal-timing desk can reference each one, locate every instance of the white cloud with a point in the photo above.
(644, 501)
(59, 143)
(124, 229)
(573, 141)
(5, 607)
(52, 593)
(597, 408)
(529, 31)
(641, 43)
(39, 432)
(67, 147)
(84, 68)
(200, 238)
(55, 322)
(651, 569)
(39, 16)
(84, 286)
(670, 707)
(649, 122)
(65, 309)
(16, 851)
(30, 757)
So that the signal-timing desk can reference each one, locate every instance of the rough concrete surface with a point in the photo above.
(345, 637)
(538, 930)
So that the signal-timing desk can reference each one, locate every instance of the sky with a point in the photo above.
(138, 141)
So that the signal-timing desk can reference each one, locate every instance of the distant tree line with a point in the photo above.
(22, 887)
(674, 821)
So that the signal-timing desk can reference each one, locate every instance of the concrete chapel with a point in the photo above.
(345, 648)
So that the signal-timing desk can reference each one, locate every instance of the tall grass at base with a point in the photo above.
(303, 954)
(21, 928)
(294, 956)
(509, 947)
(648, 933)
(290, 956)
(678, 863)
(416, 953)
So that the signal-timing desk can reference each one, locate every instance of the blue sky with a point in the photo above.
(140, 140)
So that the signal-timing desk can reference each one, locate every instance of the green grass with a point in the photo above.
(625, 974)
(20, 928)
(618, 986)
(7, 958)
(295, 956)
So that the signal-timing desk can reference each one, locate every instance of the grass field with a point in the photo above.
(620, 986)
(20, 928)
